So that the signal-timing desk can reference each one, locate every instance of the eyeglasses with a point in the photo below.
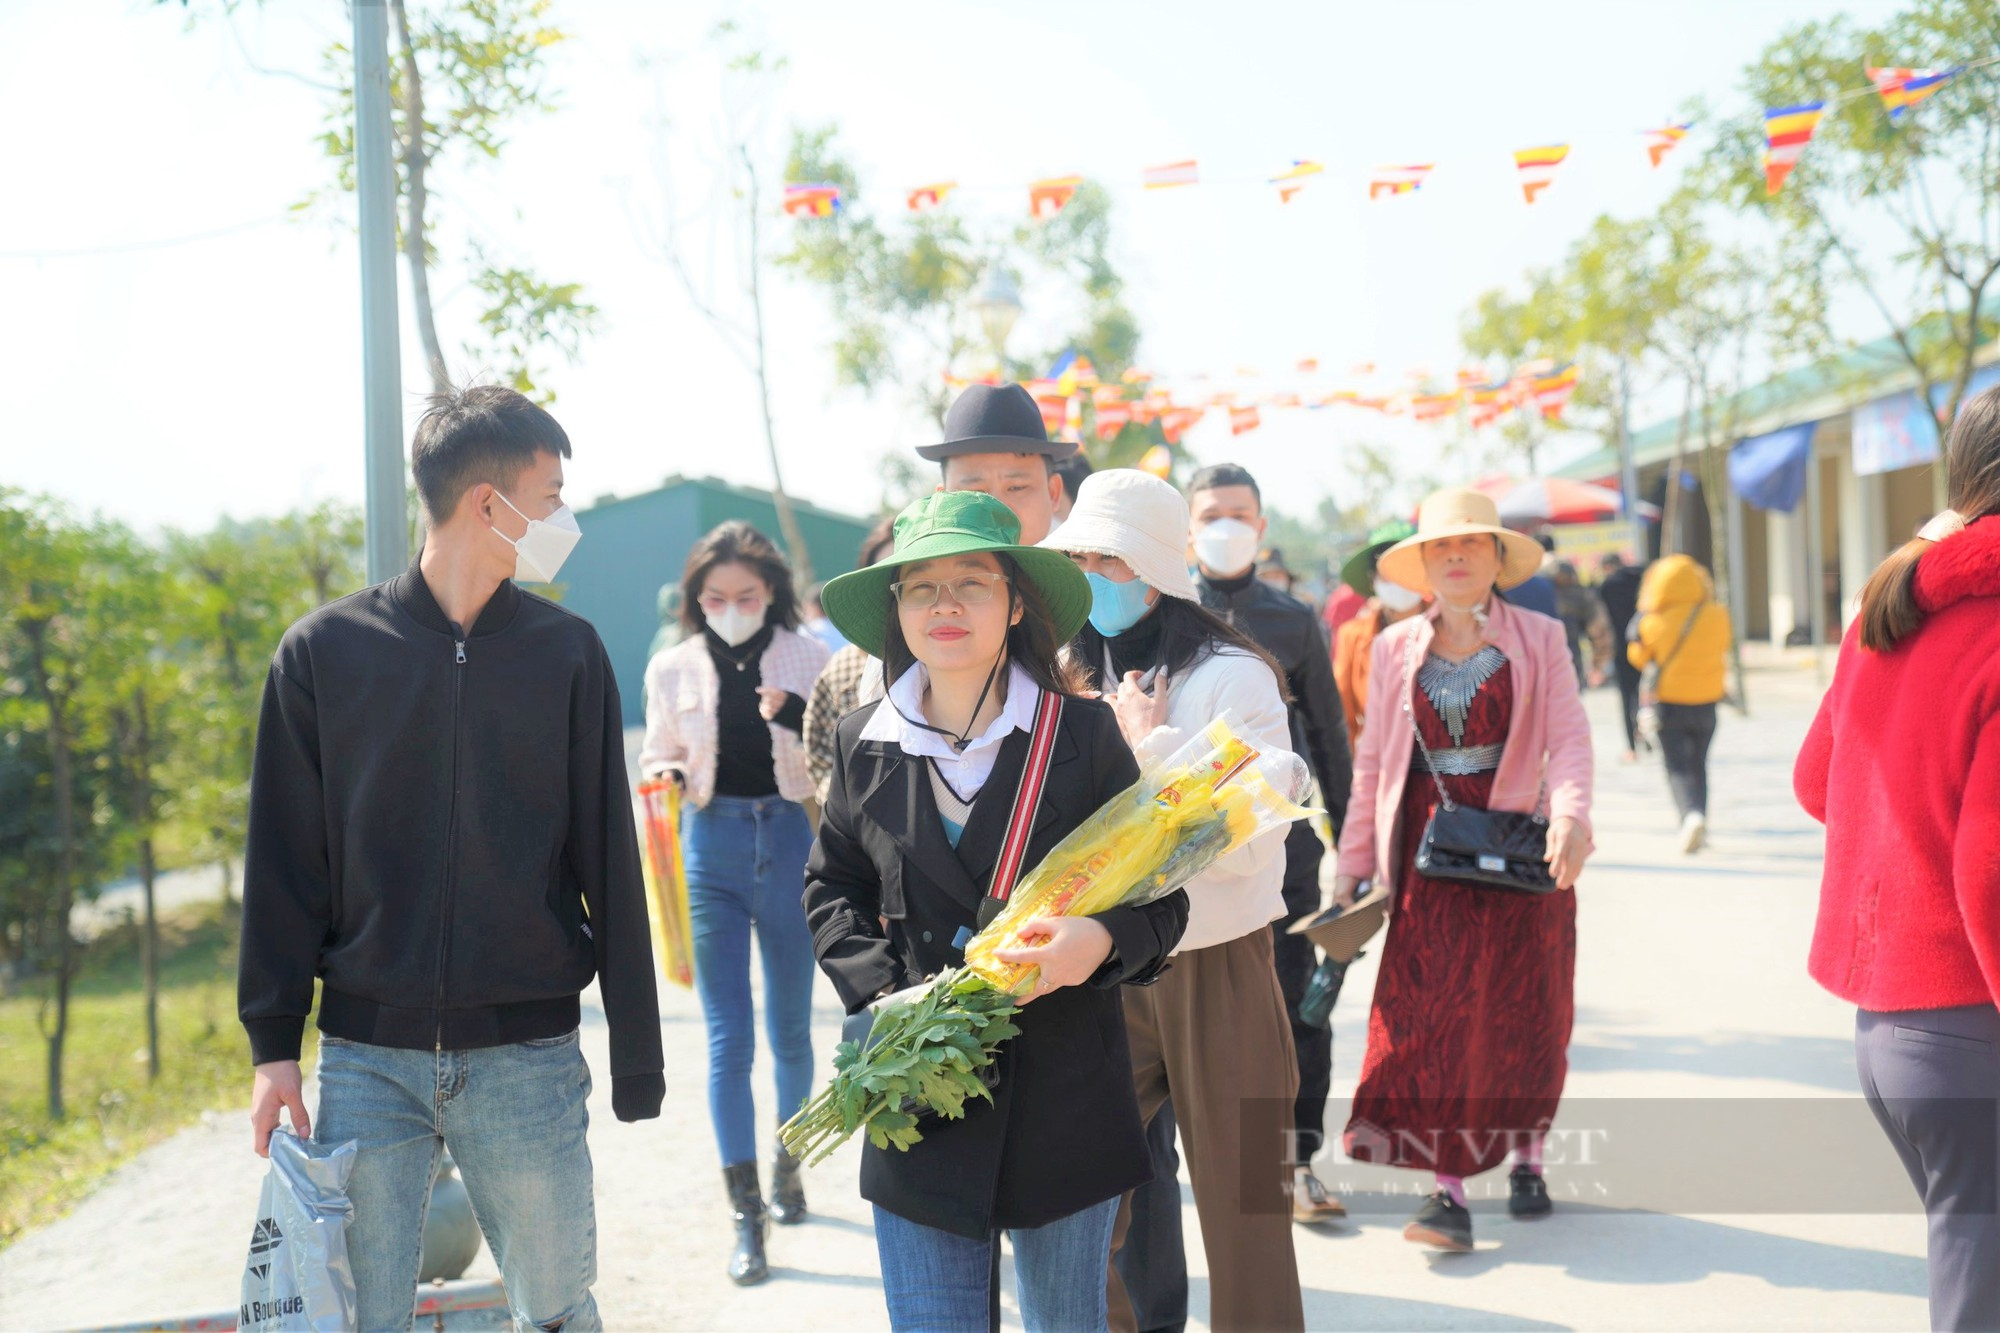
(966, 590)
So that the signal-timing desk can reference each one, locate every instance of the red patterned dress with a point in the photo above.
(1469, 1035)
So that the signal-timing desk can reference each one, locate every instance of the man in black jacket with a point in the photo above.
(1619, 592)
(441, 834)
(1227, 516)
(1226, 509)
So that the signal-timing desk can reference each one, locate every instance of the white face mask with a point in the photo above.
(544, 546)
(1227, 546)
(736, 626)
(1395, 596)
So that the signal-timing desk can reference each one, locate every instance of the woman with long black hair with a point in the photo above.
(723, 712)
(983, 739)
(1901, 766)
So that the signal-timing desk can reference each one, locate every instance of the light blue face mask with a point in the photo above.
(1116, 607)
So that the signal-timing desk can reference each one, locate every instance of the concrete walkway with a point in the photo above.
(1691, 985)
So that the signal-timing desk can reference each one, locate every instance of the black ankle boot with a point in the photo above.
(788, 1192)
(747, 1266)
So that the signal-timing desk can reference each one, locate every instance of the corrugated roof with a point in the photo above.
(1809, 393)
(717, 484)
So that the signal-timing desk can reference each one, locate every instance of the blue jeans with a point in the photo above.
(513, 1118)
(746, 871)
(938, 1282)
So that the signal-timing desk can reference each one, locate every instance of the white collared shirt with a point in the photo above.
(967, 772)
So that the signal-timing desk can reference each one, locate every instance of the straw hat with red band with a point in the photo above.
(1459, 512)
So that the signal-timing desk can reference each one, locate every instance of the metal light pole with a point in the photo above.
(998, 305)
(381, 353)
(1628, 464)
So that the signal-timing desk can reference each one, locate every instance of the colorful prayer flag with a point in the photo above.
(1046, 198)
(1392, 181)
(1662, 141)
(1433, 406)
(927, 197)
(1309, 366)
(1787, 130)
(1552, 392)
(1175, 422)
(1538, 167)
(1072, 371)
(812, 200)
(1489, 402)
(1112, 418)
(1055, 410)
(1173, 174)
(1902, 89)
(1292, 179)
(1243, 420)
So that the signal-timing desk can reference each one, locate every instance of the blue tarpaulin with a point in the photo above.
(1770, 470)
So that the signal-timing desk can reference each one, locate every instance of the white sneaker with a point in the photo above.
(1694, 832)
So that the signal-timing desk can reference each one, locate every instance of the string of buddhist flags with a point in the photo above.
(1787, 132)
(1072, 385)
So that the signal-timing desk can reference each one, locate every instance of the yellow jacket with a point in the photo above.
(1674, 589)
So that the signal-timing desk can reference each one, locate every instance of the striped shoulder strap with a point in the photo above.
(1027, 799)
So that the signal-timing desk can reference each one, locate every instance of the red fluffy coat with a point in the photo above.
(1902, 765)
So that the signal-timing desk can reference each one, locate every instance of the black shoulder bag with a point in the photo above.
(1487, 849)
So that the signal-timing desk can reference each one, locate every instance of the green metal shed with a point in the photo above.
(633, 544)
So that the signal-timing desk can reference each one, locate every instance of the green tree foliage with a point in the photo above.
(461, 75)
(130, 676)
(1905, 214)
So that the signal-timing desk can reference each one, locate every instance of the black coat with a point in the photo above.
(1063, 1131)
(1291, 632)
(1620, 591)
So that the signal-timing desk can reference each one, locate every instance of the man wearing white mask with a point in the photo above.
(1226, 532)
(1226, 510)
(440, 834)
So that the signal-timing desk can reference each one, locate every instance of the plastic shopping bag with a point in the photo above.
(297, 1276)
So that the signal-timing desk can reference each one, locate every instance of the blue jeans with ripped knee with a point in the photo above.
(513, 1119)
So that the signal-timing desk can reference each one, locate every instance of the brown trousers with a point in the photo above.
(1213, 1034)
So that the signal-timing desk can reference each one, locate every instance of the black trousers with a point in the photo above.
(1686, 730)
(1932, 1077)
(1153, 1262)
(1628, 699)
(1295, 960)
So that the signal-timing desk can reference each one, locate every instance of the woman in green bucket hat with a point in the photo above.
(1387, 603)
(984, 739)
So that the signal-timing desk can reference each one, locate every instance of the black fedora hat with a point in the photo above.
(995, 419)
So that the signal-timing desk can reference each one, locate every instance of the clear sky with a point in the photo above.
(179, 382)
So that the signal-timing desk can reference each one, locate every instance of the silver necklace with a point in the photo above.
(1450, 686)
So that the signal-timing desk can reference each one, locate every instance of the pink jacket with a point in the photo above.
(681, 692)
(1548, 737)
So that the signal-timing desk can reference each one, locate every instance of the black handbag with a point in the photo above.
(1486, 849)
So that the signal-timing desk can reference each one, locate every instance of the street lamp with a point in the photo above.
(998, 305)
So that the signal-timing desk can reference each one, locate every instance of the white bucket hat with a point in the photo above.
(1138, 518)
(1456, 513)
